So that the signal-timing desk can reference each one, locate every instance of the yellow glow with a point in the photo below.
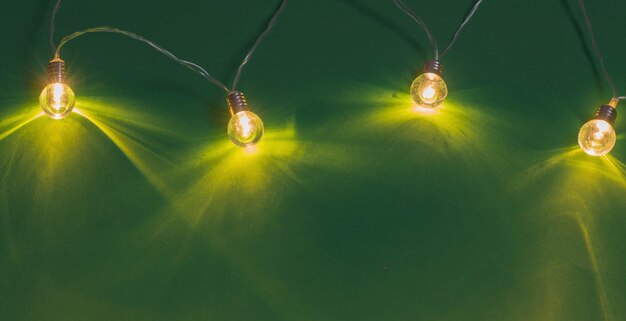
(18, 121)
(223, 170)
(429, 90)
(138, 135)
(428, 93)
(42, 155)
(57, 100)
(453, 129)
(221, 175)
(573, 191)
(597, 137)
(245, 128)
(57, 93)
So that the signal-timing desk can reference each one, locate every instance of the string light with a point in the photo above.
(429, 89)
(597, 137)
(245, 127)
(57, 98)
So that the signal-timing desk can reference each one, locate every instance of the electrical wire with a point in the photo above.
(260, 39)
(596, 49)
(432, 39)
(188, 64)
(462, 26)
(57, 6)
(420, 22)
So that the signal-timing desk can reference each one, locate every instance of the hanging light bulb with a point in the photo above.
(245, 128)
(429, 89)
(57, 99)
(597, 136)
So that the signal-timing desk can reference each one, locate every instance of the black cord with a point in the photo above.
(596, 49)
(53, 47)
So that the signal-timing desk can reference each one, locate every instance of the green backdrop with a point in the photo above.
(353, 206)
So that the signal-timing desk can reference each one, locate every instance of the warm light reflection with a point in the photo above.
(427, 111)
(571, 187)
(141, 142)
(41, 157)
(17, 121)
(218, 176)
(223, 174)
(593, 171)
(452, 129)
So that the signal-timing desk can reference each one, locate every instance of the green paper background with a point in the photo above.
(353, 206)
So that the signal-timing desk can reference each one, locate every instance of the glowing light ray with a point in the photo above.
(229, 184)
(15, 128)
(217, 174)
(43, 159)
(131, 150)
(592, 178)
(123, 119)
(453, 130)
(226, 170)
(597, 275)
(616, 169)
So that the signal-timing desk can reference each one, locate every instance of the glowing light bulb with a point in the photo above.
(57, 99)
(245, 128)
(429, 89)
(597, 136)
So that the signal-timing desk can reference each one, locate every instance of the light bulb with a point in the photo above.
(57, 99)
(429, 89)
(597, 136)
(245, 128)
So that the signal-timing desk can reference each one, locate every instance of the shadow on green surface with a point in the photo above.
(375, 15)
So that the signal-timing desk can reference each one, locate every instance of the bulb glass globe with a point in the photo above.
(596, 137)
(429, 90)
(57, 100)
(245, 128)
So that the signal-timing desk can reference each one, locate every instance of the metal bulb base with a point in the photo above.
(607, 113)
(433, 66)
(56, 71)
(237, 102)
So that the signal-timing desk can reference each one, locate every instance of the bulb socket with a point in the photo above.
(607, 113)
(56, 70)
(433, 66)
(237, 102)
